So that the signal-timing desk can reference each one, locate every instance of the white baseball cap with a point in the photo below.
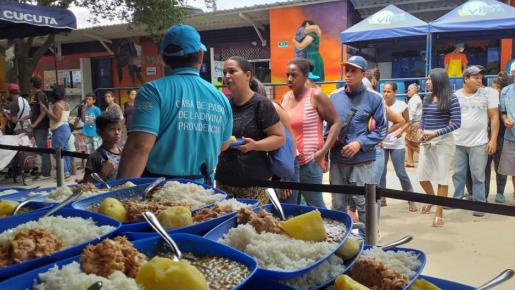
(512, 67)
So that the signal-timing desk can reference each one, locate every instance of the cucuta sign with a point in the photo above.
(29, 18)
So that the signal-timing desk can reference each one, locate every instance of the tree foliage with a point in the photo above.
(154, 16)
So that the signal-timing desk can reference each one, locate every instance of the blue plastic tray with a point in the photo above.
(259, 283)
(133, 192)
(24, 193)
(237, 143)
(187, 243)
(13, 221)
(289, 210)
(195, 229)
(446, 284)
(421, 259)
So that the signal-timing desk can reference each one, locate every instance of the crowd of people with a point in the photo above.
(181, 126)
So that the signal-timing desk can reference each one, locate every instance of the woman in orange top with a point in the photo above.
(307, 108)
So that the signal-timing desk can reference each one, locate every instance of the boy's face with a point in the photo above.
(109, 99)
(111, 133)
(90, 101)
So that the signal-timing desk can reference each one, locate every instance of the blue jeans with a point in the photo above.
(476, 158)
(312, 173)
(398, 156)
(295, 178)
(379, 166)
(359, 175)
(60, 138)
(41, 136)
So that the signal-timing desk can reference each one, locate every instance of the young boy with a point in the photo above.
(104, 161)
(89, 130)
(111, 105)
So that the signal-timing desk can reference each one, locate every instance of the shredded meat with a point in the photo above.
(27, 245)
(211, 213)
(109, 256)
(376, 276)
(89, 187)
(262, 221)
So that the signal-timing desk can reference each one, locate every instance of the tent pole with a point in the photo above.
(341, 60)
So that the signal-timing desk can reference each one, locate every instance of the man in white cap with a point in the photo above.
(456, 61)
(354, 153)
(180, 122)
(507, 108)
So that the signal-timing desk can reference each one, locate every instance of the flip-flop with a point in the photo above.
(426, 209)
(438, 222)
(410, 165)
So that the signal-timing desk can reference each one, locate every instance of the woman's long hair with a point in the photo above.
(441, 88)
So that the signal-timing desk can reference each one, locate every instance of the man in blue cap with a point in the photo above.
(353, 155)
(181, 122)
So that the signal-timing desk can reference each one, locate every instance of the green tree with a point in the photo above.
(154, 16)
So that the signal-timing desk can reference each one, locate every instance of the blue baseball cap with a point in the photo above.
(357, 62)
(183, 36)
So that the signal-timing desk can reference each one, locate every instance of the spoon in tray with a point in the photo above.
(147, 194)
(156, 225)
(275, 202)
(97, 178)
(76, 195)
(96, 286)
(501, 278)
(26, 201)
(402, 241)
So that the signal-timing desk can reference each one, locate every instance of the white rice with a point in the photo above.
(69, 230)
(190, 193)
(70, 277)
(61, 193)
(9, 191)
(402, 262)
(232, 203)
(274, 251)
(324, 272)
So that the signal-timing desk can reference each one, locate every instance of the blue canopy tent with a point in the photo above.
(475, 19)
(389, 23)
(19, 20)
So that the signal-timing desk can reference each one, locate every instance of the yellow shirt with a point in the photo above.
(455, 62)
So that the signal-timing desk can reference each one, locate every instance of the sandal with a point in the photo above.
(438, 222)
(410, 165)
(426, 209)
(412, 206)
(383, 201)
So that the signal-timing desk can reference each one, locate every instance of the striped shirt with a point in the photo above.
(307, 126)
(441, 122)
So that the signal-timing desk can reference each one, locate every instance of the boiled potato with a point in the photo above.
(349, 249)
(307, 227)
(112, 207)
(344, 282)
(175, 217)
(421, 284)
(7, 207)
(165, 274)
(233, 139)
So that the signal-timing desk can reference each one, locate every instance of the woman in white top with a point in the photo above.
(59, 124)
(393, 144)
(415, 114)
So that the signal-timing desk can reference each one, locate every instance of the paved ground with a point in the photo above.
(467, 249)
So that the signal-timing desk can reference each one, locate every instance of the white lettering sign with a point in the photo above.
(31, 18)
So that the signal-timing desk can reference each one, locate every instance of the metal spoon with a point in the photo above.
(97, 177)
(501, 278)
(150, 187)
(76, 195)
(156, 225)
(402, 241)
(96, 286)
(26, 201)
(275, 202)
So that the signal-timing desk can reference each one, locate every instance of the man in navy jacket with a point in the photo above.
(353, 155)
